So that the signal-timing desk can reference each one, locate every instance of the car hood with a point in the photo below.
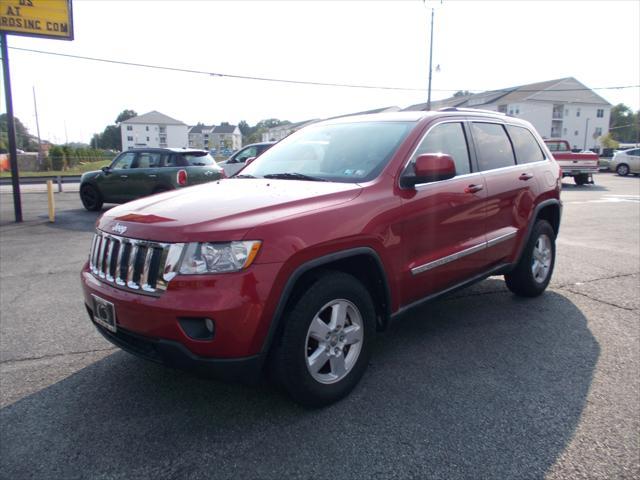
(223, 210)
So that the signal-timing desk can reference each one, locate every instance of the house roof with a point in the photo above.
(201, 128)
(563, 90)
(154, 117)
(224, 129)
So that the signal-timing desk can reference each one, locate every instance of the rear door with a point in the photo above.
(511, 188)
(444, 221)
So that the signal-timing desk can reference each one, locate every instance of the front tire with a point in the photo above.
(91, 198)
(325, 346)
(622, 169)
(533, 273)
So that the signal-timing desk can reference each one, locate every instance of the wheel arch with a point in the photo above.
(363, 263)
(549, 210)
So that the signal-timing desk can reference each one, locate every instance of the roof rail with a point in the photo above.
(470, 110)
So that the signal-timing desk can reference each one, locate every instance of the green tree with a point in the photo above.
(24, 141)
(56, 155)
(623, 124)
(607, 141)
(126, 115)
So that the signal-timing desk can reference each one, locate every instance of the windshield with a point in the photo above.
(346, 152)
(198, 159)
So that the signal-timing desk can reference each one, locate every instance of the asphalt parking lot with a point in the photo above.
(479, 384)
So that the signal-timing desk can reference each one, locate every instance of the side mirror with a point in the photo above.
(431, 167)
(249, 160)
(106, 169)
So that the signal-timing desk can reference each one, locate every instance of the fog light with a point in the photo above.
(209, 324)
(198, 328)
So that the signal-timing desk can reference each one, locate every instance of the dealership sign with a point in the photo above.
(37, 18)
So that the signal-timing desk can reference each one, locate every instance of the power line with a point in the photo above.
(303, 82)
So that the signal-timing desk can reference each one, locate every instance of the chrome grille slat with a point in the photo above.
(135, 265)
(132, 266)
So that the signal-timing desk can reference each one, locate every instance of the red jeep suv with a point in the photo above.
(298, 260)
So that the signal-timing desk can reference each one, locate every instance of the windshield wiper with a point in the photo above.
(294, 176)
(243, 176)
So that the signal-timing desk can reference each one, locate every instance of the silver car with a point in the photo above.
(626, 162)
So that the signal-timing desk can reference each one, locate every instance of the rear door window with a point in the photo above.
(148, 160)
(525, 145)
(492, 145)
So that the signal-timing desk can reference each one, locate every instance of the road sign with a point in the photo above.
(37, 18)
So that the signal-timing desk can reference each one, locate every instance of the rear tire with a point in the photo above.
(622, 169)
(581, 179)
(325, 346)
(533, 273)
(91, 198)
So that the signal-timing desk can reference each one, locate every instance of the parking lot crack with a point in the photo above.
(54, 355)
(598, 300)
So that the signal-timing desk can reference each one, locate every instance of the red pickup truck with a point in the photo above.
(295, 262)
(581, 166)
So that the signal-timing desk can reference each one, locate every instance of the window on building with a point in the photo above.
(447, 138)
(578, 112)
(494, 147)
(600, 113)
(525, 145)
(129, 128)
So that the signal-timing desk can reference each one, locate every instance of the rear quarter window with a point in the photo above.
(526, 147)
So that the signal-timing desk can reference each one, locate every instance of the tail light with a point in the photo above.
(182, 177)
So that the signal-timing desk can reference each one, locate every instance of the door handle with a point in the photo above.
(525, 176)
(473, 188)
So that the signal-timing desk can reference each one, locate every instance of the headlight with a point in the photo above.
(218, 257)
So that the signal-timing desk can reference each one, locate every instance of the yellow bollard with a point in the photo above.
(52, 203)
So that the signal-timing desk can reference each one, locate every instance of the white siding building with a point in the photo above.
(153, 129)
(563, 108)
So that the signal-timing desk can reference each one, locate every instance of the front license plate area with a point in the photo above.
(104, 313)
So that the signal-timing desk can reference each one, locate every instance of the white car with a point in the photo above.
(626, 162)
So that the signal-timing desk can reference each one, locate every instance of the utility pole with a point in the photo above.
(11, 131)
(430, 62)
(35, 106)
(586, 130)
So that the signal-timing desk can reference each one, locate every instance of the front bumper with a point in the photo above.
(175, 355)
(237, 303)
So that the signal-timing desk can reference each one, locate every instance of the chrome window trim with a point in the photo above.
(462, 253)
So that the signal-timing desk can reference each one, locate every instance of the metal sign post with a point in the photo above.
(11, 130)
(32, 18)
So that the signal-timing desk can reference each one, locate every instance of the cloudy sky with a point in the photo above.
(479, 45)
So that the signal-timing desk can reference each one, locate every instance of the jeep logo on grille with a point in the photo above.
(119, 228)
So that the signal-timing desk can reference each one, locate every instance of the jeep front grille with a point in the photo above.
(135, 265)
